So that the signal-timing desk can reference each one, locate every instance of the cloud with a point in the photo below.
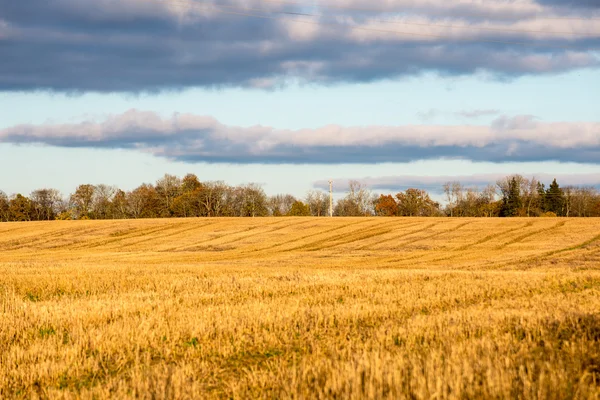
(477, 113)
(148, 45)
(435, 184)
(194, 138)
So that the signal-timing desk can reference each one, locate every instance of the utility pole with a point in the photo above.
(330, 198)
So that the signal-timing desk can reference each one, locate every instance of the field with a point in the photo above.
(301, 308)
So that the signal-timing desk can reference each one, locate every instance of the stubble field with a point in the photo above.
(301, 308)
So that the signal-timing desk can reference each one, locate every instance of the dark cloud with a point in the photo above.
(192, 138)
(571, 4)
(147, 45)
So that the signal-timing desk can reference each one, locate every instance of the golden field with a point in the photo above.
(301, 308)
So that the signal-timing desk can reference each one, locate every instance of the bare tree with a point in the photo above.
(82, 201)
(214, 198)
(143, 202)
(318, 202)
(168, 188)
(582, 200)
(281, 204)
(487, 201)
(454, 193)
(4, 207)
(102, 201)
(529, 192)
(250, 201)
(46, 203)
(358, 201)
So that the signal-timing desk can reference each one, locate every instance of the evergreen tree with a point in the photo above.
(511, 201)
(554, 199)
(541, 189)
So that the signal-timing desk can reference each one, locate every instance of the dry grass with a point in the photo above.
(301, 308)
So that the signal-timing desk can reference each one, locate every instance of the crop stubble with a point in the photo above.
(301, 308)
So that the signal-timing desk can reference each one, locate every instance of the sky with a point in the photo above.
(290, 93)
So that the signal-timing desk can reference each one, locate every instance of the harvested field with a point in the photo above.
(301, 308)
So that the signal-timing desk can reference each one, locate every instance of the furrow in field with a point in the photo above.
(195, 246)
(411, 241)
(186, 246)
(494, 236)
(421, 255)
(396, 228)
(574, 248)
(286, 225)
(32, 236)
(530, 234)
(311, 235)
(322, 244)
(360, 235)
(38, 240)
(168, 235)
(409, 233)
(136, 233)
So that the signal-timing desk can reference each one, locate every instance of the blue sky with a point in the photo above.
(368, 110)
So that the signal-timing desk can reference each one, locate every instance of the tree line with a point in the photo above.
(172, 196)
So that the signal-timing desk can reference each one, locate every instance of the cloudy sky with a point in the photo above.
(291, 93)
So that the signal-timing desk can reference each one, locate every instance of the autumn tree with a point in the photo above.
(386, 206)
(190, 183)
(187, 204)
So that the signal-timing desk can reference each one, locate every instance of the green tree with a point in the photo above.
(555, 199)
(416, 203)
(299, 209)
(511, 199)
(20, 209)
